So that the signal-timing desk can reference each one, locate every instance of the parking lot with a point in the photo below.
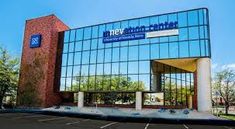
(39, 121)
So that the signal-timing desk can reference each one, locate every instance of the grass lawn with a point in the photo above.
(229, 117)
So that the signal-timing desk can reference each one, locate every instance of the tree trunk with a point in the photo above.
(1, 99)
(226, 109)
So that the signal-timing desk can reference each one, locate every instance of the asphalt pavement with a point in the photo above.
(40, 121)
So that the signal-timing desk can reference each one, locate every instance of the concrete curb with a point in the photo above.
(125, 118)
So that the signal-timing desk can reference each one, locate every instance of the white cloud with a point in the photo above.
(230, 66)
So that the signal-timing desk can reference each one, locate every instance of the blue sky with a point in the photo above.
(78, 13)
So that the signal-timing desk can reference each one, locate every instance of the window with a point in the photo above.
(183, 34)
(84, 71)
(182, 19)
(66, 36)
(72, 35)
(86, 44)
(115, 55)
(69, 71)
(79, 34)
(99, 69)
(87, 33)
(78, 46)
(65, 48)
(107, 69)
(144, 67)
(85, 57)
(133, 53)
(93, 57)
(94, 31)
(71, 47)
(155, 51)
(174, 50)
(144, 82)
(164, 50)
(77, 58)
(92, 70)
(193, 33)
(132, 67)
(64, 59)
(123, 53)
(76, 71)
(184, 52)
(115, 68)
(100, 57)
(123, 68)
(193, 18)
(63, 71)
(101, 30)
(134, 23)
(144, 21)
(108, 54)
(194, 48)
(70, 60)
(94, 44)
(144, 52)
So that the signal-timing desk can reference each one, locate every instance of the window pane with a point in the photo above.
(108, 53)
(144, 67)
(116, 25)
(65, 48)
(155, 51)
(183, 34)
(144, 21)
(184, 52)
(194, 48)
(86, 44)
(101, 30)
(132, 67)
(100, 57)
(69, 71)
(76, 71)
(100, 43)
(99, 69)
(71, 47)
(115, 68)
(94, 31)
(62, 84)
(68, 84)
(92, 70)
(85, 57)
(70, 60)
(182, 19)
(144, 52)
(123, 68)
(133, 53)
(154, 20)
(193, 33)
(63, 71)
(94, 44)
(144, 82)
(172, 17)
(87, 33)
(164, 50)
(123, 53)
(79, 34)
(77, 58)
(78, 46)
(84, 71)
(107, 69)
(174, 50)
(64, 59)
(93, 57)
(134, 23)
(133, 79)
(115, 55)
(192, 18)
(72, 35)
(66, 36)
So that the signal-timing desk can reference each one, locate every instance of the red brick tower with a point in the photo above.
(49, 50)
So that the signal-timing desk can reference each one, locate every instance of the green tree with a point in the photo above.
(224, 83)
(9, 69)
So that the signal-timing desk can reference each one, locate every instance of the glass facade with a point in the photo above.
(90, 65)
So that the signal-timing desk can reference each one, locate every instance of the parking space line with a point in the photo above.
(185, 126)
(227, 127)
(72, 123)
(108, 125)
(146, 126)
(29, 116)
(50, 119)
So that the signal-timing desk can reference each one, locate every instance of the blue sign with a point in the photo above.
(135, 33)
(35, 41)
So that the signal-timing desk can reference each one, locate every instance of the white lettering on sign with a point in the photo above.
(162, 33)
(116, 32)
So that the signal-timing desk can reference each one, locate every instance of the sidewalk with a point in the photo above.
(130, 112)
